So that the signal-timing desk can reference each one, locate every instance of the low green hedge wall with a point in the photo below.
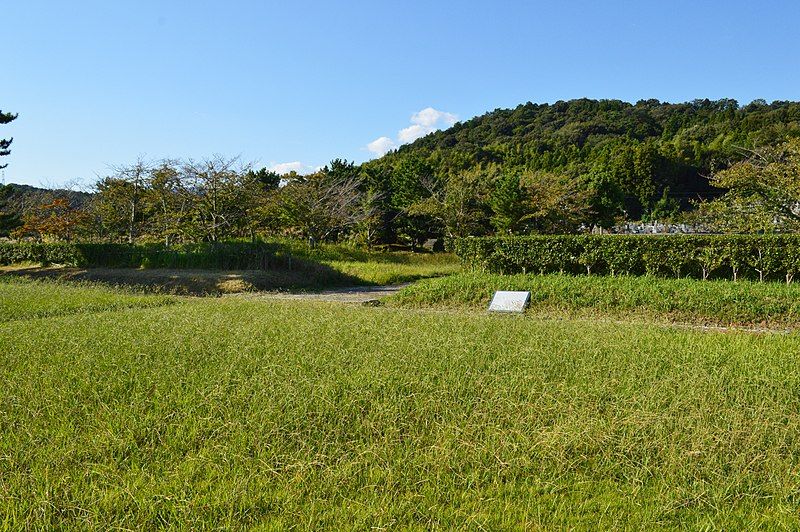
(702, 256)
(227, 256)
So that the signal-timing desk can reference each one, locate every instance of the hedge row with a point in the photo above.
(702, 256)
(226, 256)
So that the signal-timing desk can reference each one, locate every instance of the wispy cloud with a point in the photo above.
(423, 122)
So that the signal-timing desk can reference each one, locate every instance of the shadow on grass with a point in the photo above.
(305, 277)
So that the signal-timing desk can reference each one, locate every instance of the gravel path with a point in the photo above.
(363, 295)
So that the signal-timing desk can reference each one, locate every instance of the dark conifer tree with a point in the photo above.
(5, 118)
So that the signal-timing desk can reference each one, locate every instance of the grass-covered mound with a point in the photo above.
(325, 267)
(709, 302)
(234, 414)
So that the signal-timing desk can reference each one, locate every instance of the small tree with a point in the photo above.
(591, 255)
(370, 212)
(53, 221)
(791, 262)
(454, 202)
(220, 198)
(765, 256)
(710, 257)
(171, 203)
(318, 206)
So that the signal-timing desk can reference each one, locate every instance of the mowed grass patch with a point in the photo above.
(394, 268)
(25, 299)
(221, 413)
(686, 300)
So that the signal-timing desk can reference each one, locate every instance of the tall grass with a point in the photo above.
(713, 302)
(22, 299)
(238, 414)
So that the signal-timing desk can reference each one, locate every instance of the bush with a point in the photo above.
(702, 256)
(228, 256)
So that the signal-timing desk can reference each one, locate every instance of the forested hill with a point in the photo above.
(21, 197)
(643, 148)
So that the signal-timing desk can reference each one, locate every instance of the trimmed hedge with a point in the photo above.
(702, 256)
(225, 256)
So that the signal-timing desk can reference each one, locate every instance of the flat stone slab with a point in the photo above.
(509, 301)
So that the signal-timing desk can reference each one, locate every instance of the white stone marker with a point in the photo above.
(504, 301)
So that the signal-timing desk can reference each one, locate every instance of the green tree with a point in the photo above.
(606, 198)
(5, 118)
(220, 196)
(763, 192)
(266, 179)
(456, 204)
(508, 203)
(406, 181)
(121, 201)
(171, 203)
(663, 210)
(558, 203)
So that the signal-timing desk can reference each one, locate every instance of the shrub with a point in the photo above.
(229, 255)
(702, 256)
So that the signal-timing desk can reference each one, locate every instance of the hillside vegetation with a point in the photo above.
(645, 160)
(648, 146)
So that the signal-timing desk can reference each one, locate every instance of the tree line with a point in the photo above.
(556, 168)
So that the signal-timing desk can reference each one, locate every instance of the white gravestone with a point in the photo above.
(506, 301)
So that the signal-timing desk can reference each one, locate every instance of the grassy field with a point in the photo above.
(640, 298)
(212, 413)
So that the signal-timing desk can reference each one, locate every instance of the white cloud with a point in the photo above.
(430, 117)
(412, 133)
(423, 122)
(296, 166)
(381, 145)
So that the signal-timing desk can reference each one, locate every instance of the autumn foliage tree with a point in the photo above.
(57, 221)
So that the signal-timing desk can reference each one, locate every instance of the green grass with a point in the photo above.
(403, 267)
(21, 299)
(375, 267)
(223, 413)
(646, 298)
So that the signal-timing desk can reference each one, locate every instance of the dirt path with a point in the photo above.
(363, 295)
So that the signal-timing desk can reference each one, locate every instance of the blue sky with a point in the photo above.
(295, 84)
